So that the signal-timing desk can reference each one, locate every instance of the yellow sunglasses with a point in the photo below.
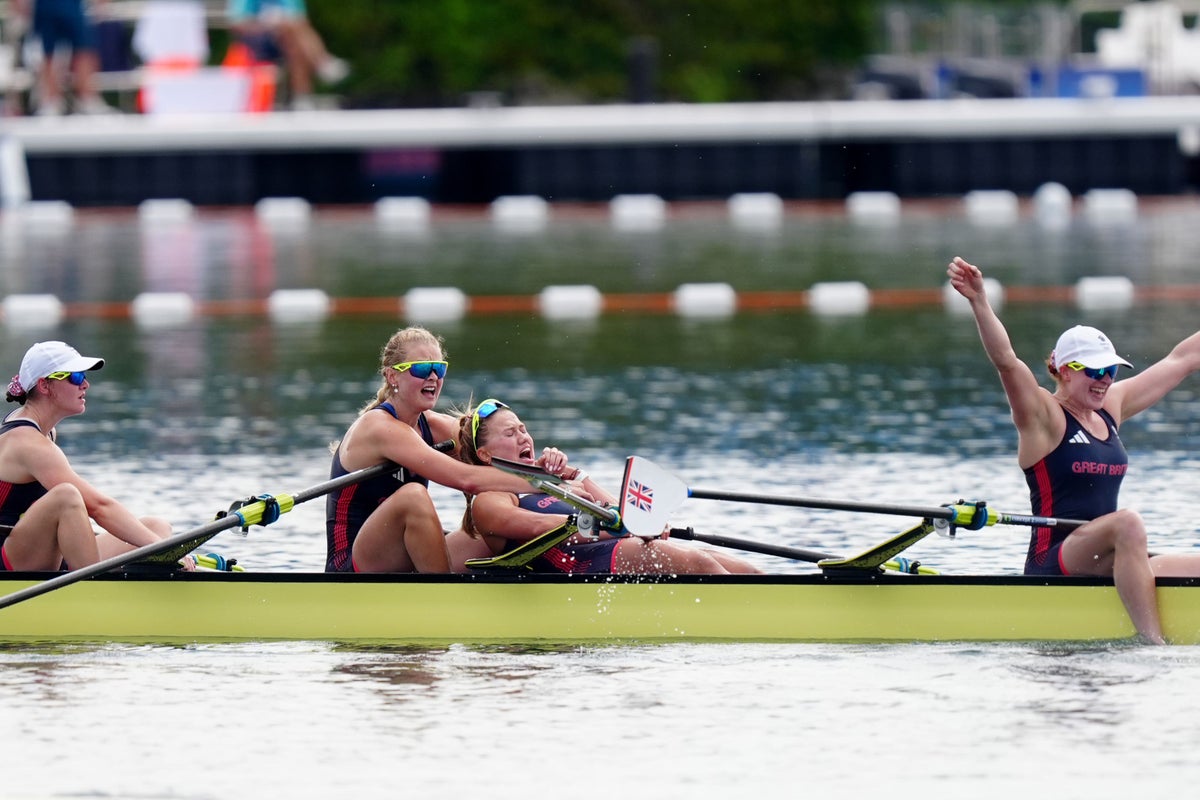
(423, 369)
(482, 412)
(1095, 374)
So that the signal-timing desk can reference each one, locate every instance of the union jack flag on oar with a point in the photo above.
(641, 495)
(649, 495)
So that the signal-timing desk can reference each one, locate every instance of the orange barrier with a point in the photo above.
(646, 303)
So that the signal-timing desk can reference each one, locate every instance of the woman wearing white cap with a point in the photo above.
(1072, 456)
(46, 509)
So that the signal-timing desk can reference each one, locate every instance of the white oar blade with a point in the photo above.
(649, 495)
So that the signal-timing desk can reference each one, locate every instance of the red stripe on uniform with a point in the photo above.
(341, 520)
(1045, 506)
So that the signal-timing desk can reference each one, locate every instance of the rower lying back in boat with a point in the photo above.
(496, 522)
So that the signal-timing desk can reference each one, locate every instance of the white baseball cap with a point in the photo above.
(45, 358)
(1087, 346)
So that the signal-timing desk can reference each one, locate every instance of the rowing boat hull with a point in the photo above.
(420, 608)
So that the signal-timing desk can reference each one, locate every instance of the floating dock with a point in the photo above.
(828, 150)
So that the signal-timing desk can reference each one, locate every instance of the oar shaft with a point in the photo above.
(927, 512)
(967, 515)
(1039, 522)
(749, 545)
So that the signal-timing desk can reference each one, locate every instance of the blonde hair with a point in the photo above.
(396, 352)
(468, 453)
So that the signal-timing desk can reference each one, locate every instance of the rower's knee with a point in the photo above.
(411, 506)
(1129, 530)
(65, 498)
(157, 524)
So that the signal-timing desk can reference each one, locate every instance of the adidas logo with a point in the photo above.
(1079, 438)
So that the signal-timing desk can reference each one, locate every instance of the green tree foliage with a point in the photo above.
(439, 52)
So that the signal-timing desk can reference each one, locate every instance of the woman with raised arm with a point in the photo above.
(1072, 456)
(46, 508)
(389, 523)
(497, 521)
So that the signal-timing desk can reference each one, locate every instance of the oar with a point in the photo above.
(794, 553)
(646, 516)
(657, 481)
(249, 514)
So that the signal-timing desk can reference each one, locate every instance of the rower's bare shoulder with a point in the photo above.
(443, 426)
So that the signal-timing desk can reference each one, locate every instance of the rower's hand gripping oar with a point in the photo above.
(646, 504)
(259, 512)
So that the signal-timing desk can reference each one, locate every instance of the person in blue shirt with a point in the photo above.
(64, 24)
(273, 28)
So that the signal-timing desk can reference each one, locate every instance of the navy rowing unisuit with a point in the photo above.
(15, 498)
(1079, 479)
(590, 558)
(347, 509)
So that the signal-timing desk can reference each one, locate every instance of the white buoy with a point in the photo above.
(837, 298)
(1110, 205)
(1053, 204)
(1104, 292)
(756, 210)
(298, 305)
(403, 213)
(570, 302)
(47, 215)
(163, 309)
(14, 173)
(283, 212)
(1188, 140)
(705, 300)
(435, 304)
(874, 207)
(996, 207)
(638, 212)
(520, 213)
(32, 310)
(165, 211)
(957, 304)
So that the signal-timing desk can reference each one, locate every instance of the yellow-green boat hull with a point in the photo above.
(419, 608)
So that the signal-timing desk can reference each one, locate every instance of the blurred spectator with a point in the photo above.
(281, 27)
(65, 24)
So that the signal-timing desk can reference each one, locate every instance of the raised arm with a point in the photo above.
(1145, 388)
(1031, 404)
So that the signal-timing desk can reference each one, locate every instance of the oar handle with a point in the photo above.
(551, 484)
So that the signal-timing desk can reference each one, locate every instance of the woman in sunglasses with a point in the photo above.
(499, 520)
(389, 523)
(1068, 446)
(46, 509)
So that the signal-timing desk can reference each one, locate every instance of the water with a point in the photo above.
(895, 407)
